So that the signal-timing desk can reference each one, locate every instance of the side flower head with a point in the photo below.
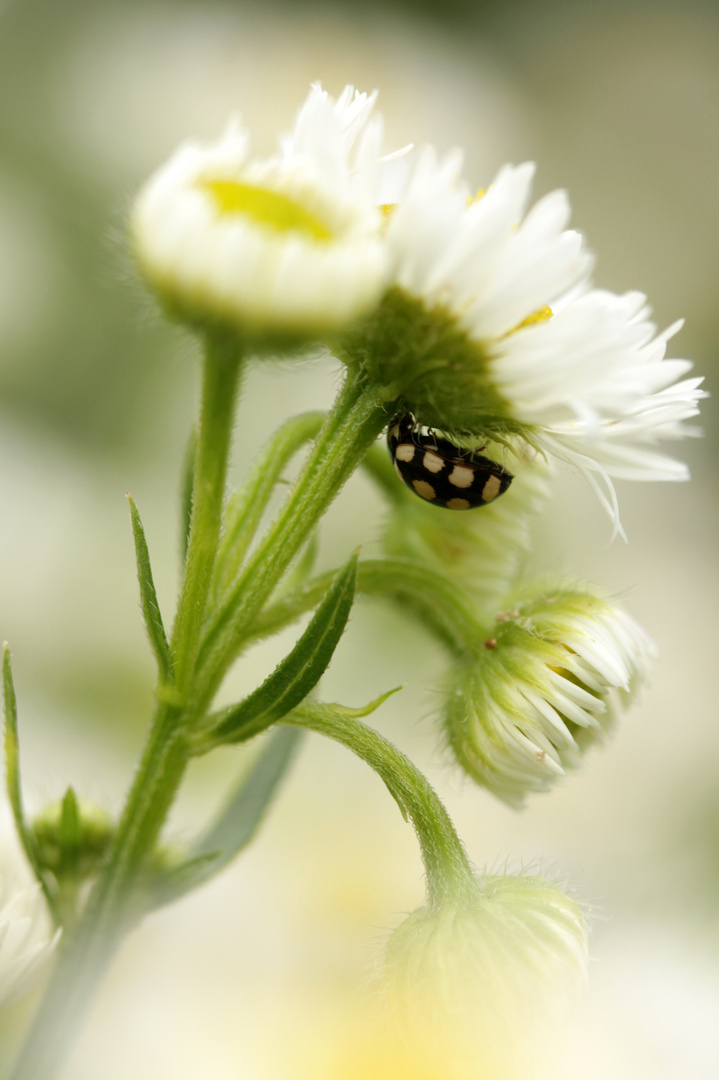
(482, 976)
(26, 940)
(283, 248)
(489, 328)
(544, 688)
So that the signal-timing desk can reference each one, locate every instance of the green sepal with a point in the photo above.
(148, 597)
(12, 777)
(236, 825)
(296, 676)
(70, 827)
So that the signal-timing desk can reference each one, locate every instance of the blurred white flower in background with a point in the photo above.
(27, 941)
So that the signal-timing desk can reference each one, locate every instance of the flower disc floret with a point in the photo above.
(288, 247)
(543, 689)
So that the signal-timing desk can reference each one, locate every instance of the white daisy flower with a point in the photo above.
(593, 383)
(26, 940)
(543, 689)
(285, 247)
(479, 976)
(489, 329)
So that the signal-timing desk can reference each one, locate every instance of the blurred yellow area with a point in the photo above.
(266, 973)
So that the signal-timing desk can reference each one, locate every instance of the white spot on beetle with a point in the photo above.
(491, 489)
(461, 476)
(432, 462)
(458, 504)
(424, 490)
(404, 452)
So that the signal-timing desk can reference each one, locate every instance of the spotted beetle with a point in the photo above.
(439, 471)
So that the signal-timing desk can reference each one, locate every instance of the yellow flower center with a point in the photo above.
(271, 209)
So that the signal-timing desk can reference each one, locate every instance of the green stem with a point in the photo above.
(435, 599)
(115, 901)
(219, 394)
(247, 506)
(449, 873)
(349, 430)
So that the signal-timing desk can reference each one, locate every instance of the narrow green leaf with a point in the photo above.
(300, 671)
(237, 824)
(188, 483)
(12, 767)
(177, 881)
(148, 597)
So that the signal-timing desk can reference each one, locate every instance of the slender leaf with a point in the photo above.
(12, 767)
(148, 597)
(237, 824)
(300, 671)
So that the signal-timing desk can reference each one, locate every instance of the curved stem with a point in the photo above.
(449, 873)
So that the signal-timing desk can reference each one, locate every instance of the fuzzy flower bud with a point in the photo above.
(284, 249)
(480, 977)
(543, 689)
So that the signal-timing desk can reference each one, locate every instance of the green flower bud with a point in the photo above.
(542, 690)
(72, 836)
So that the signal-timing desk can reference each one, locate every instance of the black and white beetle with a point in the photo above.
(439, 471)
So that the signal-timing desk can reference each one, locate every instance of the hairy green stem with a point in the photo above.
(349, 430)
(435, 599)
(219, 394)
(449, 873)
(115, 901)
(247, 506)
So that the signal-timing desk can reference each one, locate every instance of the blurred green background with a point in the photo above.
(617, 102)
